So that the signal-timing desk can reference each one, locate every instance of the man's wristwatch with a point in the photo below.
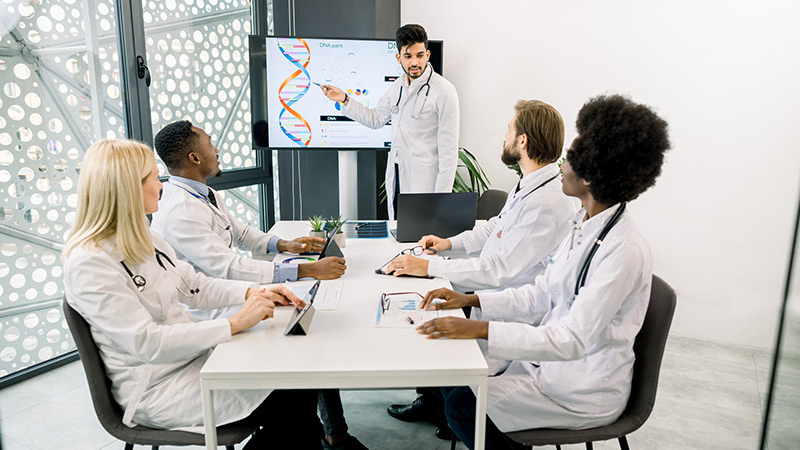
(346, 98)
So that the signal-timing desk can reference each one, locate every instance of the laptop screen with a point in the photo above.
(440, 214)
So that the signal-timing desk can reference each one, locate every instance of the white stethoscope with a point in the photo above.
(426, 86)
(140, 282)
(220, 218)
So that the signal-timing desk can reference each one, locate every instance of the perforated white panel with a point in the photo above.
(52, 88)
(197, 53)
(59, 92)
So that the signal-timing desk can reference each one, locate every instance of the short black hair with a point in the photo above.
(619, 149)
(410, 34)
(174, 142)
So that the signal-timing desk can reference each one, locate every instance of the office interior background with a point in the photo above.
(720, 221)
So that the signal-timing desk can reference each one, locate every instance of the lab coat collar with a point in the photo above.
(536, 178)
(200, 188)
(109, 246)
(597, 222)
(421, 80)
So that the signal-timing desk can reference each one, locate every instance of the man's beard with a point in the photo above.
(509, 157)
(411, 77)
(219, 174)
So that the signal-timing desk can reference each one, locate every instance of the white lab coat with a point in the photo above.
(570, 367)
(199, 237)
(425, 148)
(514, 244)
(152, 348)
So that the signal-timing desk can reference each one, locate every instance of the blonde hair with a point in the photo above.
(110, 201)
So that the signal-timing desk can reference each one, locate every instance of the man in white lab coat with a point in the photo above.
(568, 338)
(202, 232)
(196, 223)
(514, 244)
(423, 108)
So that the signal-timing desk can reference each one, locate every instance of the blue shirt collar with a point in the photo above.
(200, 188)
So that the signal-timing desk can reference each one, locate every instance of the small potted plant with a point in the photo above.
(317, 226)
(331, 224)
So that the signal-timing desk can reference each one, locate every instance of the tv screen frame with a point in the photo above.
(259, 95)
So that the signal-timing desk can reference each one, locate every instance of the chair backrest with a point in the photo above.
(649, 349)
(490, 203)
(110, 414)
(108, 411)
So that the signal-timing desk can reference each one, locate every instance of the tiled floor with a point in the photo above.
(711, 396)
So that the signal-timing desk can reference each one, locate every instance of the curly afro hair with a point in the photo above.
(619, 149)
(174, 142)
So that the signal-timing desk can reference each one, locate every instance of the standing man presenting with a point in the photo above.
(423, 108)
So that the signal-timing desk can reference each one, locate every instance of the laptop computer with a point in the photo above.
(440, 214)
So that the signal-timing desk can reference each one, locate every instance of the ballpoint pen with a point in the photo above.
(410, 320)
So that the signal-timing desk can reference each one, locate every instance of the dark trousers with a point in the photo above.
(289, 420)
(459, 408)
(331, 412)
(396, 189)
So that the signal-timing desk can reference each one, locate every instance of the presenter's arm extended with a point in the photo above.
(334, 93)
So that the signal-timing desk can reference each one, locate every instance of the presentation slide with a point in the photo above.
(300, 115)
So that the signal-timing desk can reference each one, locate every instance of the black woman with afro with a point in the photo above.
(566, 341)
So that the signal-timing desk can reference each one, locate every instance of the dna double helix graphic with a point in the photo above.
(293, 88)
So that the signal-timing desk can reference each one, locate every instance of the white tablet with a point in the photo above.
(301, 318)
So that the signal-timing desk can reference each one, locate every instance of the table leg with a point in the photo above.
(208, 417)
(480, 414)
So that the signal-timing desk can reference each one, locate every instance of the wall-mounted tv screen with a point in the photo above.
(289, 111)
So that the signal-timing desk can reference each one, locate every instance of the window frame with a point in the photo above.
(136, 117)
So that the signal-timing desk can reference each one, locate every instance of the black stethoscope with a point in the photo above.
(426, 86)
(140, 282)
(597, 242)
(517, 199)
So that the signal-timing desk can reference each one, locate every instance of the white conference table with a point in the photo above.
(343, 348)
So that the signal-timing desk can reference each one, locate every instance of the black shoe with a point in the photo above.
(349, 443)
(444, 433)
(416, 412)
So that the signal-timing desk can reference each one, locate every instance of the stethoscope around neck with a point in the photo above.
(426, 86)
(140, 282)
(597, 243)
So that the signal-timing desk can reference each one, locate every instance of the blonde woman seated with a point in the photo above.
(127, 283)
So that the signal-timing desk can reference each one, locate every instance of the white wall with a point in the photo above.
(724, 74)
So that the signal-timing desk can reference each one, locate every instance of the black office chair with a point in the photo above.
(649, 350)
(490, 203)
(109, 413)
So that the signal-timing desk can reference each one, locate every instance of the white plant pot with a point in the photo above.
(319, 234)
(339, 239)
